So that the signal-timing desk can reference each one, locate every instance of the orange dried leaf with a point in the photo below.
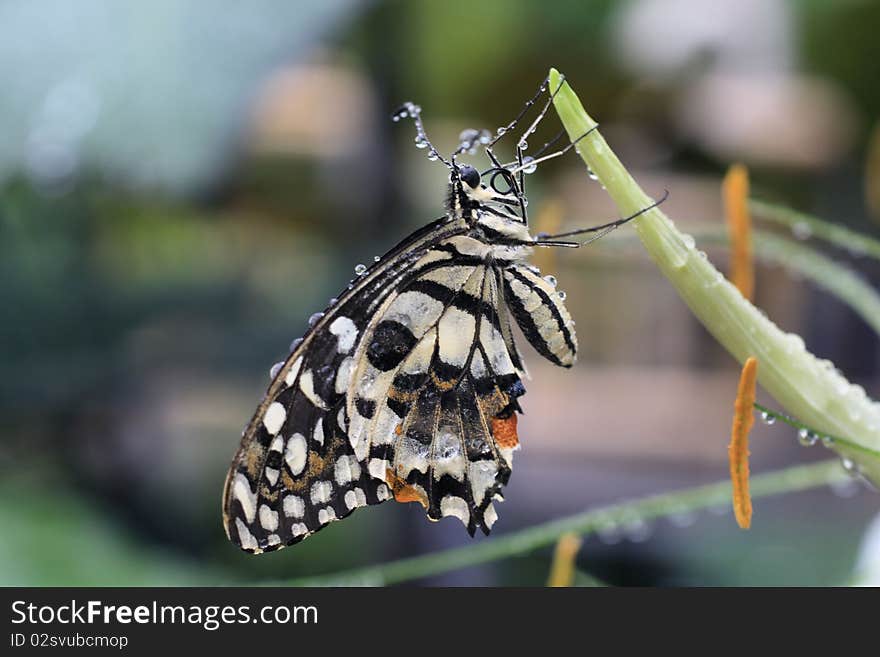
(735, 189)
(738, 450)
(562, 569)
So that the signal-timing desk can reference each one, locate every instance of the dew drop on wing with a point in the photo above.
(296, 343)
(485, 136)
(273, 372)
(360, 269)
(314, 318)
(561, 294)
(551, 280)
(528, 163)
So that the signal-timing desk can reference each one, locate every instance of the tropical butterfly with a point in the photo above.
(406, 387)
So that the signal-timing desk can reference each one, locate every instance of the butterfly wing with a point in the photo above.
(540, 313)
(434, 396)
(296, 470)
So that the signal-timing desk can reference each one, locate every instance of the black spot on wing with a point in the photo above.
(390, 344)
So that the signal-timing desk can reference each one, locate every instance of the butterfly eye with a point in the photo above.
(470, 176)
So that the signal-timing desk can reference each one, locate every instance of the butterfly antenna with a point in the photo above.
(604, 229)
(414, 112)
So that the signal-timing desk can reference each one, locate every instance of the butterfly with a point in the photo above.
(407, 386)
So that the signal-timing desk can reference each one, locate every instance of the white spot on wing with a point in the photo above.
(378, 467)
(298, 529)
(318, 433)
(347, 469)
(245, 538)
(294, 507)
(241, 491)
(321, 492)
(452, 505)
(293, 371)
(296, 453)
(346, 333)
(343, 375)
(482, 477)
(326, 514)
(355, 498)
(307, 385)
(268, 518)
(490, 516)
(274, 418)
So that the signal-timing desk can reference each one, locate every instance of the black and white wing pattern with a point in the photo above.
(405, 388)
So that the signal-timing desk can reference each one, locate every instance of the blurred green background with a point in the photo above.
(183, 184)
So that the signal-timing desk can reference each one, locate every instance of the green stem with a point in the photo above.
(811, 389)
(806, 225)
(788, 480)
(798, 258)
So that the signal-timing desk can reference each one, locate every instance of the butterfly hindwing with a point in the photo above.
(540, 313)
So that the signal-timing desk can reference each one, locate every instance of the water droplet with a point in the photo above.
(827, 442)
(807, 438)
(360, 269)
(377, 258)
(801, 230)
(528, 164)
(433, 155)
(845, 487)
(848, 464)
(501, 130)
(551, 280)
(609, 533)
(688, 240)
(523, 144)
(296, 343)
(592, 175)
(561, 294)
(468, 135)
(683, 518)
(421, 142)
(485, 136)
(314, 318)
(768, 419)
(275, 369)
(333, 301)
(636, 529)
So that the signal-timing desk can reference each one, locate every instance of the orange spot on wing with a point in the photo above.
(735, 189)
(738, 450)
(404, 492)
(504, 431)
(398, 429)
